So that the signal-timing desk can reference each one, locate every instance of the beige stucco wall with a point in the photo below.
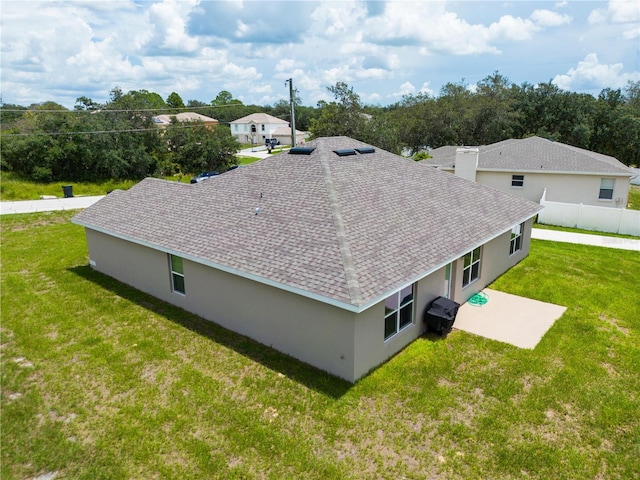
(495, 260)
(560, 187)
(317, 333)
(371, 349)
(343, 343)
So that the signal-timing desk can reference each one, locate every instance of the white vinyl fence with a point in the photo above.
(589, 217)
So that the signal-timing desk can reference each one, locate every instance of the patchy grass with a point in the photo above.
(242, 160)
(13, 187)
(633, 202)
(102, 381)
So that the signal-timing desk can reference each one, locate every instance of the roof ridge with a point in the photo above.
(355, 292)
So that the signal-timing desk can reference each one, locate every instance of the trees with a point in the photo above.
(118, 139)
(174, 101)
(344, 116)
(199, 148)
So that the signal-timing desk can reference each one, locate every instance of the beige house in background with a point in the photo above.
(330, 253)
(526, 167)
(258, 127)
(164, 120)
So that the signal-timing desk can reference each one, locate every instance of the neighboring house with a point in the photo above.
(258, 127)
(164, 120)
(283, 135)
(526, 167)
(330, 253)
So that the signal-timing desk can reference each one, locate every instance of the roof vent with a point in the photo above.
(363, 150)
(344, 153)
(301, 150)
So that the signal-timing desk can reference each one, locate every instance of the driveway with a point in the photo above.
(509, 318)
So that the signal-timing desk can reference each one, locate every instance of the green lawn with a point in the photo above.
(634, 198)
(102, 381)
(14, 187)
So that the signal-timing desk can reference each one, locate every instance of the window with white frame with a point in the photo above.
(517, 181)
(398, 311)
(606, 188)
(471, 271)
(516, 239)
(177, 274)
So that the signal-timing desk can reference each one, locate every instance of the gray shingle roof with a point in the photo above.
(347, 230)
(534, 154)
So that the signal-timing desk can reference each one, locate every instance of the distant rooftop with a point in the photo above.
(533, 154)
(165, 119)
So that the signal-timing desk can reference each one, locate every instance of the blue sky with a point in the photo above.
(61, 50)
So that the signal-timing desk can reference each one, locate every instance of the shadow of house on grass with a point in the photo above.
(296, 370)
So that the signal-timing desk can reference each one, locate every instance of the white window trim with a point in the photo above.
(516, 239)
(470, 267)
(612, 189)
(397, 311)
(176, 273)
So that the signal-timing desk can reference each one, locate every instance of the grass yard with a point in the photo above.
(13, 187)
(100, 381)
(633, 202)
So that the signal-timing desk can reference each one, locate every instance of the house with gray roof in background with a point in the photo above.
(529, 167)
(330, 252)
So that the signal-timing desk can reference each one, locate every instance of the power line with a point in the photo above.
(168, 110)
(96, 132)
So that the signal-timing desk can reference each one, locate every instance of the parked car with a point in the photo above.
(271, 141)
(201, 177)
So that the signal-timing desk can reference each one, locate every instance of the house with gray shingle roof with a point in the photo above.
(330, 253)
(527, 167)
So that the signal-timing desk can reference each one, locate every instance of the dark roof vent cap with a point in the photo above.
(345, 152)
(301, 150)
(363, 150)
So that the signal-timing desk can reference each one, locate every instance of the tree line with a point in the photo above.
(119, 139)
(495, 110)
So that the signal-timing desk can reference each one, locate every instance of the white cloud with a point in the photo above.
(285, 65)
(430, 26)
(337, 20)
(426, 89)
(631, 33)
(617, 11)
(168, 19)
(591, 74)
(547, 18)
(406, 88)
(513, 28)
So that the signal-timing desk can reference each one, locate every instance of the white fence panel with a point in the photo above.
(589, 217)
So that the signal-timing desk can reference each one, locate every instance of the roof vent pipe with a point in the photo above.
(467, 162)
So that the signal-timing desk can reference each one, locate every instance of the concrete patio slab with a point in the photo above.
(509, 318)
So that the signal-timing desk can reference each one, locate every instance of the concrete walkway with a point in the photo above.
(256, 152)
(586, 239)
(48, 205)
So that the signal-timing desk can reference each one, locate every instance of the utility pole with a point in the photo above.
(293, 113)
